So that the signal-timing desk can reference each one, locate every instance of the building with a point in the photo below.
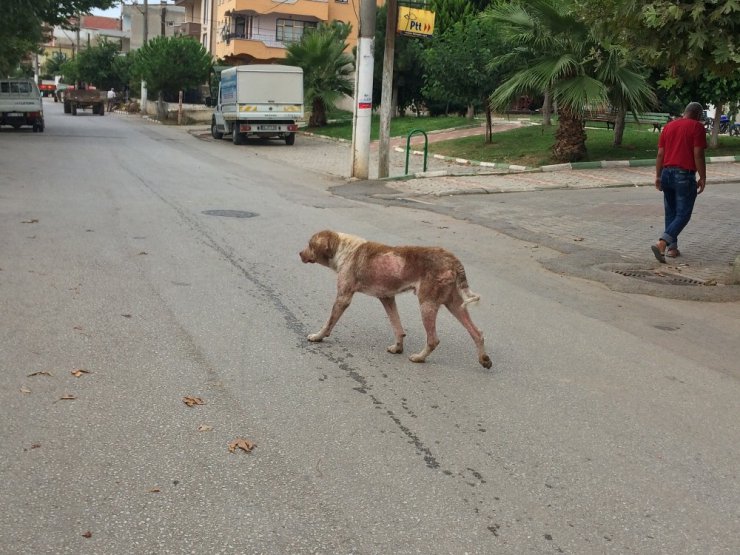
(92, 31)
(258, 31)
(162, 20)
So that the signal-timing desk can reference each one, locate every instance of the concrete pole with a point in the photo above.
(363, 109)
(386, 102)
(144, 92)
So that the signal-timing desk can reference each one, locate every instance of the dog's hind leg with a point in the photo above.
(340, 305)
(459, 311)
(389, 303)
(429, 319)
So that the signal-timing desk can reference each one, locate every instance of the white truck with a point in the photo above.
(20, 104)
(263, 101)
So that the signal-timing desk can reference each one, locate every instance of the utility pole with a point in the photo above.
(386, 103)
(146, 37)
(363, 109)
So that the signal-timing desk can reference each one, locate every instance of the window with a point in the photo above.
(243, 27)
(291, 30)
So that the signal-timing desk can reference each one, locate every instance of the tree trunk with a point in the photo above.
(547, 109)
(161, 108)
(570, 137)
(619, 126)
(394, 100)
(318, 113)
(714, 137)
(470, 112)
(489, 123)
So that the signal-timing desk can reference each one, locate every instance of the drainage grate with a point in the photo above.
(659, 277)
(229, 213)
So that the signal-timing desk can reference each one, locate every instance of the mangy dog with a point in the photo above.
(434, 274)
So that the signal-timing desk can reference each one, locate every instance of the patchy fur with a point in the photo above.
(434, 274)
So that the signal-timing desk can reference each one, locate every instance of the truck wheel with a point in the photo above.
(290, 139)
(215, 133)
(67, 107)
(236, 137)
(74, 109)
(101, 109)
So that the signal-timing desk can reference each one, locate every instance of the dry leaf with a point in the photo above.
(67, 397)
(41, 373)
(78, 328)
(34, 221)
(24, 389)
(204, 428)
(79, 372)
(154, 490)
(190, 401)
(126, 315)
(578, 239)
(33, 446)
(143, 252)
(87, 534)
(241, 443)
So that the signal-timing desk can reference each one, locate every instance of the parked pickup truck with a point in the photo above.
(263, 101)
(81, 99)
(20, 104)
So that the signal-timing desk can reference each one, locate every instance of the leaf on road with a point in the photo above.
(204, 428)
(33, 446)
(143, 252)
(126, 315)
(578, 239)
(79, 372)
(191, 401)
(34, 221)
(41, 373)
(67, 397)
(87, 534)
(241, 443)
(154, 490)
(24, 389)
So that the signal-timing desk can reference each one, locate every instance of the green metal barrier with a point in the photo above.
(408, 148)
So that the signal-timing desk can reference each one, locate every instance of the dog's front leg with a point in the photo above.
(340, 305)
(389, 303)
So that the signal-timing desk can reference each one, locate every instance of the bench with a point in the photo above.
(658, 119)
(607, 117)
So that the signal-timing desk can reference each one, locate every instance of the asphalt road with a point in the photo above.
(608, 424)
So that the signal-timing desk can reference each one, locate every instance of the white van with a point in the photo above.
(20, 104)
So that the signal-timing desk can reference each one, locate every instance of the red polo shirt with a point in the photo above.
(678, 140)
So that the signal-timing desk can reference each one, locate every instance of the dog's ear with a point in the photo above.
(324, 244)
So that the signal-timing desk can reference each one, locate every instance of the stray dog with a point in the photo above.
(435, 275)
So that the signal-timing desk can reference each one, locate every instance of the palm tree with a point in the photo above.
(564, 58)
(327, 69)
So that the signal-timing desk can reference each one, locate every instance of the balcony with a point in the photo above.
(318, 9)
(260, 47)
(190, 29)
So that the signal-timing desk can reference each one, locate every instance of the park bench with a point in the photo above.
(595, 116)
(658, 119)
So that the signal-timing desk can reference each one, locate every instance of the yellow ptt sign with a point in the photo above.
(415, 22)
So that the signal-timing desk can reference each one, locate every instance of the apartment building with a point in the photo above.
(258, 31)
(162, 19)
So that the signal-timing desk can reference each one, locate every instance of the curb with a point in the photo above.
(604, 164)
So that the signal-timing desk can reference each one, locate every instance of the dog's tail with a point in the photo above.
(461, 281)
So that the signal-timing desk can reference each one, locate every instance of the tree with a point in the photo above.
(327, 68)
(457, 69)
(171, 64)
(566, 59)
(53, 65)
(449, 12)
(22, 24)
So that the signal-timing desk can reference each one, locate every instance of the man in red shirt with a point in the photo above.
(680, 156)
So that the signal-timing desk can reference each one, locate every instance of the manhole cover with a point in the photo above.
(659, 277)
(230, 213)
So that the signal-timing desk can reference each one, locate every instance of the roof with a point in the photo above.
(100, 22)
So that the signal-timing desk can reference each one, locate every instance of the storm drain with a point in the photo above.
(230, 213)
(659, 277)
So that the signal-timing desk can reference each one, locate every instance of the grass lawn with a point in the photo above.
(399, 126)
(530, 146)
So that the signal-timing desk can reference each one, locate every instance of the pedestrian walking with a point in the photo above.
(681, 149)
(111, 98)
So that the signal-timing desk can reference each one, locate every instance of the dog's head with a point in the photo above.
(322, 247)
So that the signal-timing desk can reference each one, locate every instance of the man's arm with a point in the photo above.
(701, 167)
(659, 167)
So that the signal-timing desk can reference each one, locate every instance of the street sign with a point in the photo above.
(415, 22)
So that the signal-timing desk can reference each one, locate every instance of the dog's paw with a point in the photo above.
(395, 349)
(316, 338)
(417, 358)
(485, 361)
